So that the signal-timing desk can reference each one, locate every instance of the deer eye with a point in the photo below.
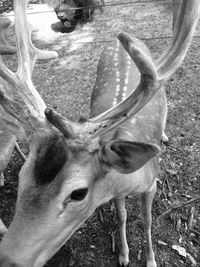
(79, 194)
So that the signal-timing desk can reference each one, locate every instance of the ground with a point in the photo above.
(66, 83)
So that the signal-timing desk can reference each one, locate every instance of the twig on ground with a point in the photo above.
(101, 216)
(113, 241)
(191, 219)
(195, 232)
(178, 207)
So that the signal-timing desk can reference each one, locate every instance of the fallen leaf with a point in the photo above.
(180, 250)
(162, 243)
(171, 172)
(180, 239)
(193, 261)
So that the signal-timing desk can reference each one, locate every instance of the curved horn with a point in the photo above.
(148, 86)
(65, 126)
(187, 20)
(153, 76)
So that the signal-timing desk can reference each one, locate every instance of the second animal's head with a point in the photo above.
(71, 12)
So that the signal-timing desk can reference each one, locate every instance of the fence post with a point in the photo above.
(176, 5)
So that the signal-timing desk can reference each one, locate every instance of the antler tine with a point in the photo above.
(27, 55)
(15, 110)
(146, 89)
(62, 124)
(185, 26)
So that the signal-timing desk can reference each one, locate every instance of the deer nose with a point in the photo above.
(6, 262)
(60, 15)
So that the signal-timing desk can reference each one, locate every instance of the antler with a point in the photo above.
(27, 54)
(114, 116)
(153, 76)
(185, 26)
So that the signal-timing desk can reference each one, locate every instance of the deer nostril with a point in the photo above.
(60, 16)
(5, 262)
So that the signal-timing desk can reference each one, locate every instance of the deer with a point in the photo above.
(74, 167)
(8, 140)
(69, 12)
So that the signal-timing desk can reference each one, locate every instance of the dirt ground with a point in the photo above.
(66, 83)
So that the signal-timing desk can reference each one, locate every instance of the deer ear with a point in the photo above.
(127, 157)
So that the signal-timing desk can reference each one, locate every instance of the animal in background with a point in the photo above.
(71, 12)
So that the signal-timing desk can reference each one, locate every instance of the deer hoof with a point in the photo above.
(164, 137)
(123, 261)
(3, 229)
(151, 263)
(118, 265)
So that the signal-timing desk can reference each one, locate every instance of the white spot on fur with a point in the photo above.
(123, 96)
(126, 81)
(140, 117)
(125, 89)
(117, 88)
(133, 120)
(117, 74)
(114, 101)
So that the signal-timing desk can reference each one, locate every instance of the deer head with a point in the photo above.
(75, 167)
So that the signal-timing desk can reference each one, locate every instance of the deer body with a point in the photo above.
(73, 167)
(117, 78)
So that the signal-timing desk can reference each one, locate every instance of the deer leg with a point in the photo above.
(1, 179)
(147, 199)
(165, 110)
(122, 217)
(164, 137)
(5, 48)
(3, 229)
(19, 151)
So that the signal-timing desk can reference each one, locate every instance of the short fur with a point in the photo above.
(51, 157)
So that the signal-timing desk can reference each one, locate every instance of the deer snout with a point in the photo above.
(6, 262)
(60, 16)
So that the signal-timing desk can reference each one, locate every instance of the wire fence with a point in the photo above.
(114, 39)
(99, 6)
(112, 5)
